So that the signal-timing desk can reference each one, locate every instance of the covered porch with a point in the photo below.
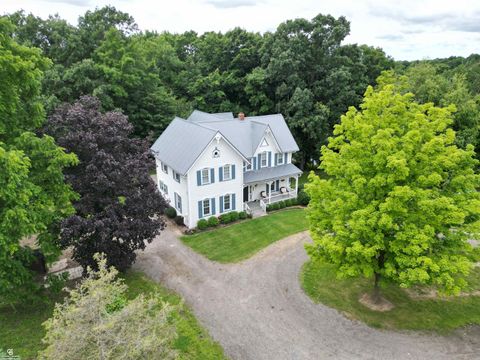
(269, 185)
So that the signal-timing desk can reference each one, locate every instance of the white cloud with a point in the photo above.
(406, 29)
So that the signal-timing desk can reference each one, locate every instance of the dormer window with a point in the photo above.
(216, 153)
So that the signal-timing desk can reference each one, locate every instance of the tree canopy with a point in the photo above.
(401, 199)
(96, 321)
(301, 70)
(119, 204)
(33, 195)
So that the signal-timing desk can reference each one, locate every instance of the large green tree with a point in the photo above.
(443, 88)
(401, 199)
(33, 196)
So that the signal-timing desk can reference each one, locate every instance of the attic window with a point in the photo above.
(216, 153)
(264, 143)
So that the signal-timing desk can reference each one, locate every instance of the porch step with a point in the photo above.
(258, 213)
(256, 209)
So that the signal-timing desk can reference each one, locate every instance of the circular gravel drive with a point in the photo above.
(257, 310)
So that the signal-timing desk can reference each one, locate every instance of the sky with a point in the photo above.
(406, 30)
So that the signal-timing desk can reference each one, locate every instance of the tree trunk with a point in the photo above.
(376, 296)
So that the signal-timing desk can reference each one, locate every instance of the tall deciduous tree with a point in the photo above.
(119, 205)
(33, 195)
(401, 198)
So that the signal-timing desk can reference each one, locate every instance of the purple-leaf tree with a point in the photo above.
(119, 206)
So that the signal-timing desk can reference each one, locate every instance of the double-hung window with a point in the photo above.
(164, 168)
(206, 207)
(227, 172)
(163, 187)
(205, 176)
(176, 176)
(247, 166)
(263, 159)
(178, 202)
(279, 159)
(227, 202)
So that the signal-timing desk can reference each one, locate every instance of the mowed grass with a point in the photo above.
(240, 241)
(22, 331)
(320, 283)
(193, 340)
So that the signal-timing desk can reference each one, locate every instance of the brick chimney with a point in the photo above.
(241, 116)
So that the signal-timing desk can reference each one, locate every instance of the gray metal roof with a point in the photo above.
(181, 143)
(183, 140)
(270, 173)
(246, 134)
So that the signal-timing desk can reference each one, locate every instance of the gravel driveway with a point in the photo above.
(256, 309)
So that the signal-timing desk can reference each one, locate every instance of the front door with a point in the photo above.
(267, 189)
(245, 194)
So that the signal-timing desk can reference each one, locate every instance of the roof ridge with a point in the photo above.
(209, 114)
(197, 124)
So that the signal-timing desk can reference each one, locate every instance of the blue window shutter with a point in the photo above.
(212, 175)
(276, 162)
(285, 159)
(254, 163)
(220, 173)
(277, 185)
(212, 205)
(233, 172)
(233, 201)
(269, 159)
(259, 161)
(200, 210)
(175, 200)
(199, 177)
(221, 204)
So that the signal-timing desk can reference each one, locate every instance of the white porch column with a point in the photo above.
(269, 191)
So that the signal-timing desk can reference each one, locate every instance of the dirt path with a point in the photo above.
(257, 310)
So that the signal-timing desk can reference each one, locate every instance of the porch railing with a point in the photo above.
(246, 208)
(263, 205)
(279, 197)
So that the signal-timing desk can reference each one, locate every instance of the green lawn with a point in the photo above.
(320, 283)
(22, 330)
(240, 241)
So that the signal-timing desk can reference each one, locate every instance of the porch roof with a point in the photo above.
(270, 173)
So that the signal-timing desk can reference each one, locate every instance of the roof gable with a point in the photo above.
(183, 141)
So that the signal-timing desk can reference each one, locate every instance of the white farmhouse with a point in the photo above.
(211, 164)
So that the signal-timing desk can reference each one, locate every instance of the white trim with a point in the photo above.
(229, 202)
(201, 176)
(214, 138)
(229, 166)
(175, 174)
(281, 157)
(164, 167)
(248, 165)
(209, 207)
(261, 159)
(268, 130)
